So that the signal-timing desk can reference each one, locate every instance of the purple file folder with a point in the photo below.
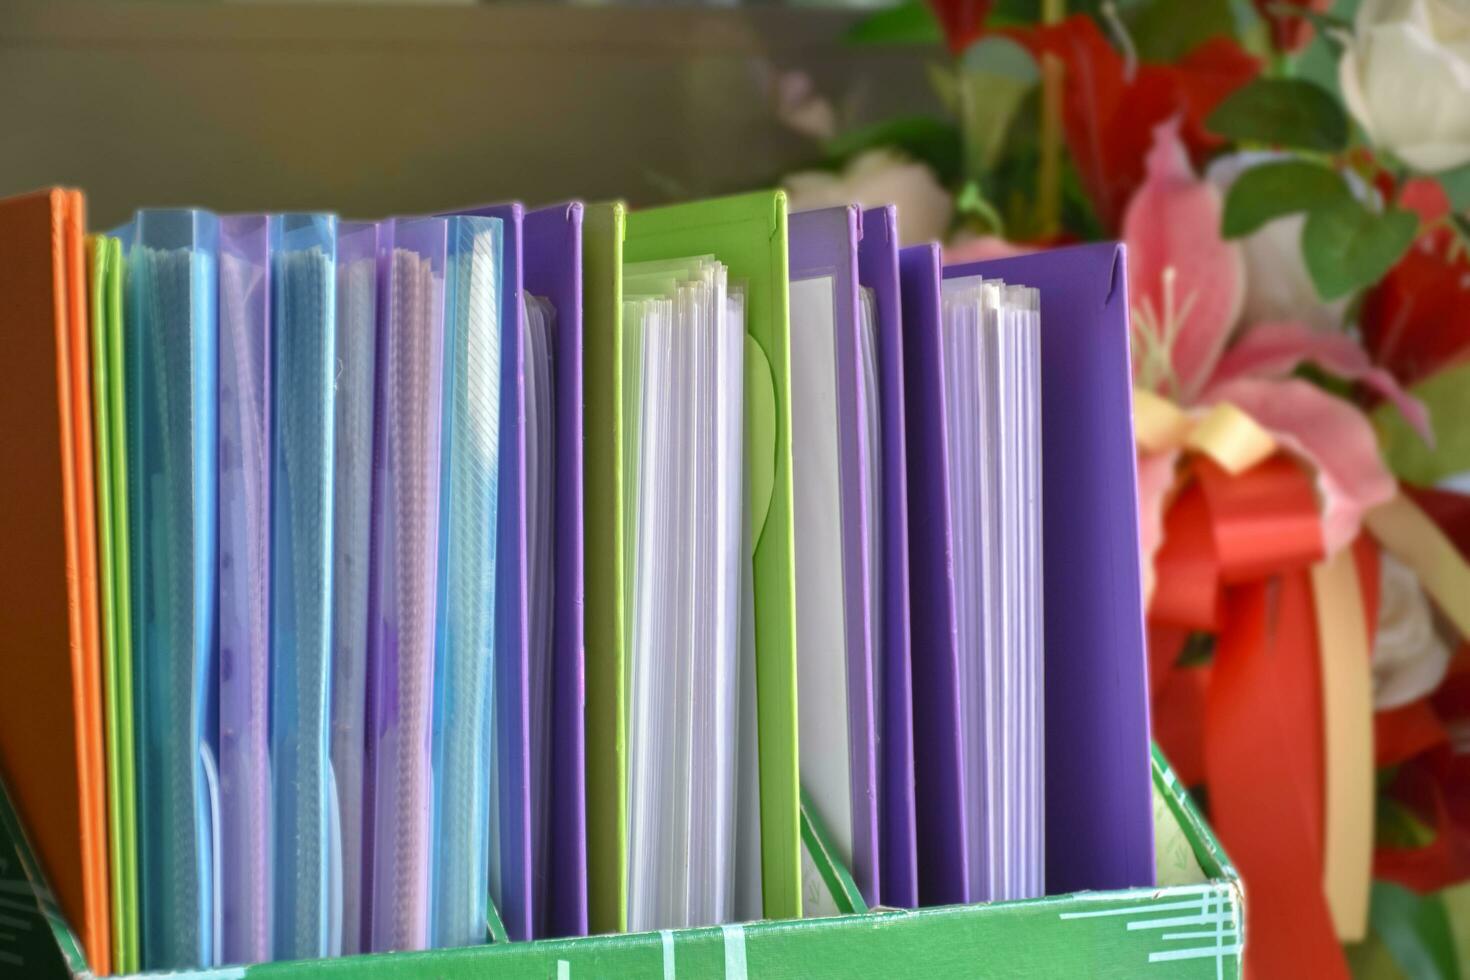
(943, 858)
(1099, 804)
(553, 271)
(878, 271)
(824, 244)
(543, 858)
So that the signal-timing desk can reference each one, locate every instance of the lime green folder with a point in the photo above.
(603, 226)
(748, 234)
(104, 257)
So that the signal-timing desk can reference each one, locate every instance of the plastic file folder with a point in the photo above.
(411, 257)
(465, 644)
(539, 876)
(303, 375)
(748, 234)
(606, 716)
(352, 513)
(878, 273)
(246, 816)
(51, 737)
(833, 534)
(171, 344)
(512, 884)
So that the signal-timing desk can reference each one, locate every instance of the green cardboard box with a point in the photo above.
(1190, 925)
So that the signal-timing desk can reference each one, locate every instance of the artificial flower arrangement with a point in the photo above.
(1291, 183)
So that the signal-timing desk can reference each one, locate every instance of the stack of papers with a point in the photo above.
(683, 377)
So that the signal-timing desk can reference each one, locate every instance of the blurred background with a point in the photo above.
(371, 109)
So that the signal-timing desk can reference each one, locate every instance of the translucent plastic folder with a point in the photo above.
(246, 814)
(465, 646)
(303, 374)
(401, 639)
(357, 347)
(171, 342)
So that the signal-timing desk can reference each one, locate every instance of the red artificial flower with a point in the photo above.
(962, 21)
(1289, 32)
(1417, 320)
(1110, 109)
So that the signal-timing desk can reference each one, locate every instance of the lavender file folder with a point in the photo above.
(1099, 817)
(553, 271)
(943, 858)
(401, 637)
(244, 587)
(878, 271)
(823, 244)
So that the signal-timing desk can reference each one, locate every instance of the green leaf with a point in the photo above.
(1347, 246)
(1456, 184)
(908, 23)
(924, 138)
(995, 76)
(1167, 31)
(1282, 112)
(1415, 929)
(1447, 396)
(1270, 190)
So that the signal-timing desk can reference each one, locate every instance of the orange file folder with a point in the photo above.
(51, 751)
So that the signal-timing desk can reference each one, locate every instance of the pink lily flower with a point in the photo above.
(1187, 285)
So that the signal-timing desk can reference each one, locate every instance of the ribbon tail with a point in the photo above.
(1347, 709)
(1263, 724)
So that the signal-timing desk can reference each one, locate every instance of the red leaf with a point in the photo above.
(962, 20)
(1417, 320)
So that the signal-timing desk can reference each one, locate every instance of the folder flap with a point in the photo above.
(606, 706)
(553, 271)
(878, 271)
(1099, 832)
(942, 854)
(51, 745)
(748, 233)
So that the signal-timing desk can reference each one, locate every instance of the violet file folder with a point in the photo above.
(553, 271)
(541, 886)
(878, 271)
(1099, 824)
(831, 508)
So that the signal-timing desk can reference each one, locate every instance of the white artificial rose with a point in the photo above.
(1277, 284)
(877, 177)
(1405, 75)
(1409, 656)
